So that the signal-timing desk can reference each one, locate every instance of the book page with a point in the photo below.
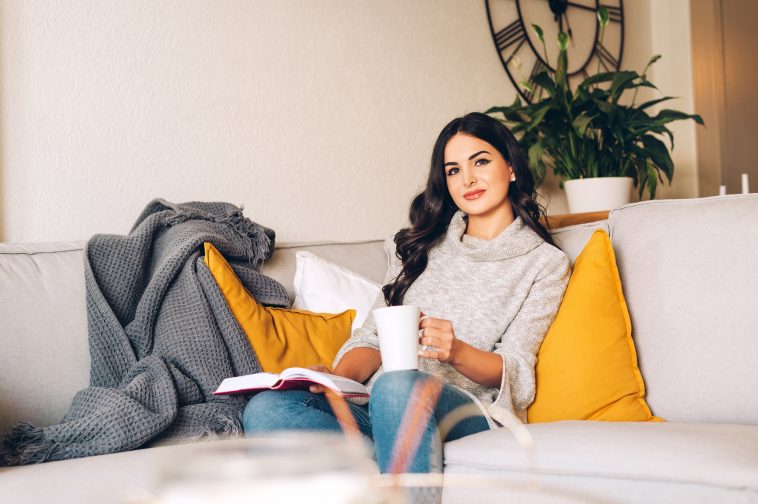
(335, 382)
(247, 382)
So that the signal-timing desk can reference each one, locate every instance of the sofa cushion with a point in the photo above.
(586, 366)
(281, 338)
(43, 335)
(366, 258)
(619, 462)
(327, 287)
(572, 239)
(690, 274)
(668, 462)
(190, 473)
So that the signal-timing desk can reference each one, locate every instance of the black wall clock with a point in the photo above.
(523, 55)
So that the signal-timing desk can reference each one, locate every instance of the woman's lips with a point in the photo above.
(474, 195)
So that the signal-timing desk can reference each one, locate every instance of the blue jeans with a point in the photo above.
(276, 410)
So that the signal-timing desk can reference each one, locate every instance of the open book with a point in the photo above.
(292, 378)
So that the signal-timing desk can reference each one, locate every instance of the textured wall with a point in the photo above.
(318, 116)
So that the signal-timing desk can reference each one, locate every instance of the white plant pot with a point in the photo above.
(597, 194)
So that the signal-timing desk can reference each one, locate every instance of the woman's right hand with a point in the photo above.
(315, 387)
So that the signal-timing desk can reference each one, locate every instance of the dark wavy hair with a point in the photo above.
(432, 209)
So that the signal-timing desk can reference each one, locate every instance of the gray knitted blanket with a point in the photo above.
(161, 336)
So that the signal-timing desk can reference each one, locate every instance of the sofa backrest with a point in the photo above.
(44, 357)
(687, 266)
(689, 271)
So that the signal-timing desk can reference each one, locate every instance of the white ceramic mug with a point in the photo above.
(397, 327)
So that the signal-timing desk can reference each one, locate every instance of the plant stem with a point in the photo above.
(602, 36)
(644, 78)
(544, 50)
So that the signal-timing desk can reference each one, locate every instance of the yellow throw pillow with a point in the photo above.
(281, 338)
(587, 365)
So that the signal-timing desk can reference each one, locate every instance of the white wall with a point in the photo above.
(670, 36)
(319, 117)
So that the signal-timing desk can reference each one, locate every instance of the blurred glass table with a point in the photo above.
(321, 467)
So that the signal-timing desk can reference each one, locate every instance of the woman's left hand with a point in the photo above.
(439, 334)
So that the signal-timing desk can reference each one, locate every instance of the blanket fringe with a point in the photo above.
(217, 428)
(26, 444)
(257, 240)
(221, 427)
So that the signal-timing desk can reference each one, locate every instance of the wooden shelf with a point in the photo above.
(563, 220)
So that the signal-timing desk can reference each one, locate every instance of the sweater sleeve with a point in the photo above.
(522, 339)
(366, 335)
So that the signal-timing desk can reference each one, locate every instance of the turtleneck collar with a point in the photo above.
(515, 240)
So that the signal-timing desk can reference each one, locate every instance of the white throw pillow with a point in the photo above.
(325, 287)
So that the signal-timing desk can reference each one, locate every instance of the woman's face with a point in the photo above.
(471, 164)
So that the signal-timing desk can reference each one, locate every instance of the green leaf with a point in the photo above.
(563, 41)
(606, 107)
(597, 78)
(620, 82)
(653, 59)
(510, 113)
(561, 79)
(539, 115)
(521, 116)
(493, 110)
(544, 81)
(647, 84)
(581, 123)
(535, 153)
(651, 103)
(668, 115)
(538, 30)
(651, 179)
(659, 155)
(602, 16)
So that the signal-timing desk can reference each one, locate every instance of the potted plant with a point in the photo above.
(598, 147)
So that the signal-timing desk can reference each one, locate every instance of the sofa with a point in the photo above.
(689, 270)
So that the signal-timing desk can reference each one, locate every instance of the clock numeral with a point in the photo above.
(614, 13)
(536, 90)
(512, 34)
(606, 58)
(581, 6)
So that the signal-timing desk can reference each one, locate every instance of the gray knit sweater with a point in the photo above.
(501, 295)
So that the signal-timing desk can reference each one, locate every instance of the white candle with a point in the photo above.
(745, 189)
(722, 190)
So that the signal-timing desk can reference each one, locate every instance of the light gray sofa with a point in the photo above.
(690, 276)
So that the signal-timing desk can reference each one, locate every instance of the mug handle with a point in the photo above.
(423, 316)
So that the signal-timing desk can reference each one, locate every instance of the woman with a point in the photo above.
(489, 279)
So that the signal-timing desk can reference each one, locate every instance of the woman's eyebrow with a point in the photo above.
(472, 156)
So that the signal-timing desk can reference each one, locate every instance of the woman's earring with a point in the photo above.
(513, 178)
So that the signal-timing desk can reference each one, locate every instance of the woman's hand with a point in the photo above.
(316, 388)
(439, 334)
